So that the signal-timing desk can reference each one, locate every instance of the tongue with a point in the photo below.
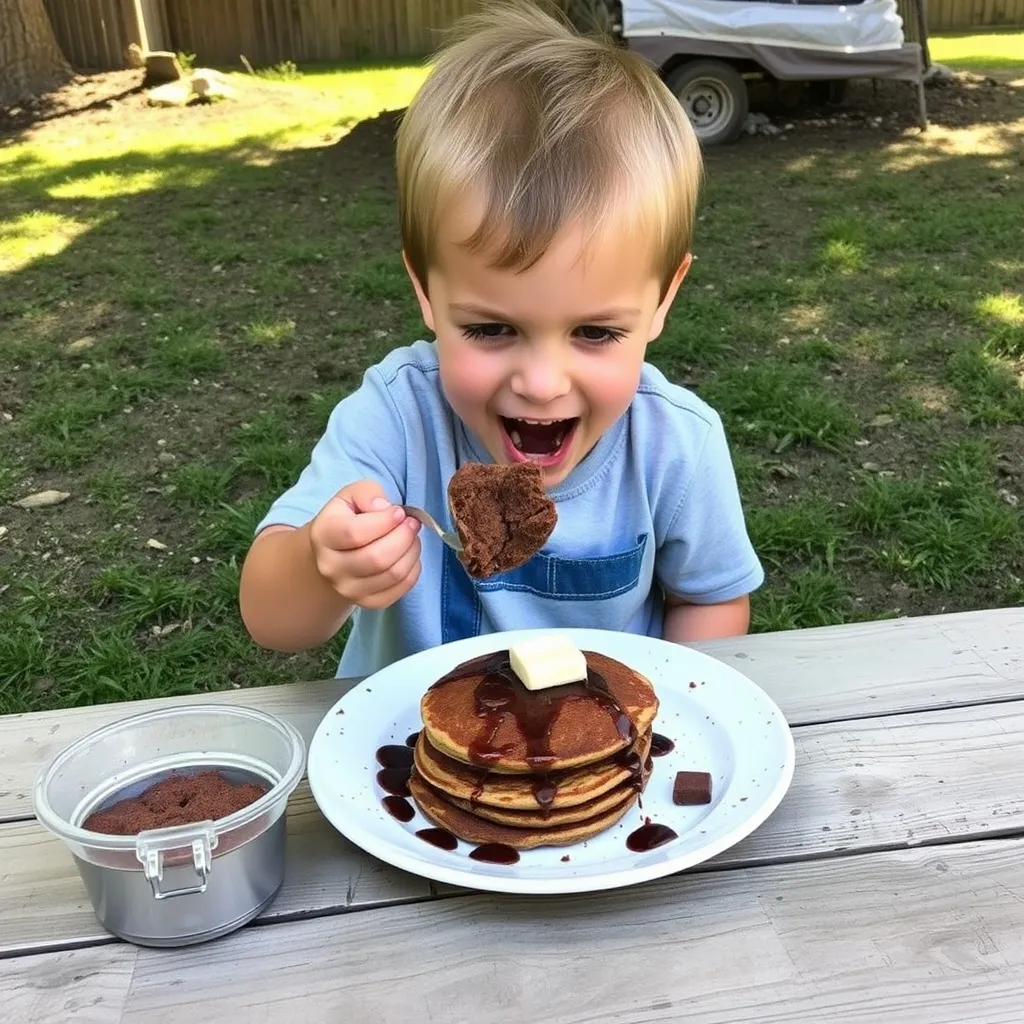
(536, 438)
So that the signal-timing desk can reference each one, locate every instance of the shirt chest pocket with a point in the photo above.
(544, 576)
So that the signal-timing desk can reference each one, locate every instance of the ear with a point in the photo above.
(421, 294)
(658, 323)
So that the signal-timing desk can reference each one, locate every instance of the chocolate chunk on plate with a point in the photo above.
(692, 788)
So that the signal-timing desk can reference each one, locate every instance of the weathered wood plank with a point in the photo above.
(743, 946)
(876, 668)
(903, 779)
(861, 785)
(914, 937)
(87, 986)
(814, 675)
(44, 905)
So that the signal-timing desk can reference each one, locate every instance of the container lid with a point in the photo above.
(120, 756)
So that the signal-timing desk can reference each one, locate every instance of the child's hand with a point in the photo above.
(365, 547)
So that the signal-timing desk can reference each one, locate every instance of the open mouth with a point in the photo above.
(542, 441)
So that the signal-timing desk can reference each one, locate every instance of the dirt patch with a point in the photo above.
(890, 108)
(84, 93)
(118, 97)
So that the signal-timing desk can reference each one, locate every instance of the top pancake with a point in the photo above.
(496, 722)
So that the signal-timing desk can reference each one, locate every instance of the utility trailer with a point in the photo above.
(708, 50)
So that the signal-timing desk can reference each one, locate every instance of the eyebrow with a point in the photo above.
(603, 316)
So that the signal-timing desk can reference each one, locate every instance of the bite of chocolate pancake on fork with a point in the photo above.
(502, 515)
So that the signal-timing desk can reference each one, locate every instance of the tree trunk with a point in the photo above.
(30, 59)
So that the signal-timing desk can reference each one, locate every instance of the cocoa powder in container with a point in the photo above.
(180, 799)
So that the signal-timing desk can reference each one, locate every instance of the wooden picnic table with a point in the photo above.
(888, 886)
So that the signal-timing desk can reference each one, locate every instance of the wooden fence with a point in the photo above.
(90, 32)
(95, 34)
(268, 31)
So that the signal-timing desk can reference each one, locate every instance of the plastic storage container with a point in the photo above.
(176, 886)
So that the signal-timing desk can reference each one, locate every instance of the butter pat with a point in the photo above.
(545, 661)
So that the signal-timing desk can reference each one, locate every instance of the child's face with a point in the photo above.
(540, 363)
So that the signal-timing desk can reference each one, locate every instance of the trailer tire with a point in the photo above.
(714, 96)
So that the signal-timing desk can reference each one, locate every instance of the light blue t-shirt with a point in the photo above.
(653, 507)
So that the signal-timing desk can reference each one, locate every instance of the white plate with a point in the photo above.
(719, 720)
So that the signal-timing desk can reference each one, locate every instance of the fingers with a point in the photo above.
(380, 588)
(365, 496)
(387, 554)
(357, 516)
(365, 547)
(342, 529)
(385, 598)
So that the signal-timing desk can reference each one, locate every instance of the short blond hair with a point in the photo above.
(549, 128)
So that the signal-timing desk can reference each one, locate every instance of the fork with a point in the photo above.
(450, 537)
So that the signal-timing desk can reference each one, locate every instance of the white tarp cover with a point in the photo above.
(853, 28)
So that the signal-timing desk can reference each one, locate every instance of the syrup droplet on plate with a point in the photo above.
(494, 853)
(649, 836)
(394, 755)
(398, 807)
(394, 781)
(661, 745)
(439, 837)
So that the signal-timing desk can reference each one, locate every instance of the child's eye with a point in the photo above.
(487, 331)
(599, 335)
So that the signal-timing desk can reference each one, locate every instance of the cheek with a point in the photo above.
(470, 378)
(610, 390)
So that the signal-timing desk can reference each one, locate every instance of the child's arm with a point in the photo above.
(300, 585)
(685, 623)
(286, 604)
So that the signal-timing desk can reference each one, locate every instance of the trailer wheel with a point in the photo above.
(714, 96)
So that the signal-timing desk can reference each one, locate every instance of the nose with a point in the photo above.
(541, 375)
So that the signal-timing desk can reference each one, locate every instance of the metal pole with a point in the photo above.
(922, 23)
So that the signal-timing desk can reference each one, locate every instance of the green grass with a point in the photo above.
(784, 405)
(367, 88)
(980, 51)
(943, 530)
(855, 314)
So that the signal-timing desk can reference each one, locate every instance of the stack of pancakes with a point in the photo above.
(497, 763)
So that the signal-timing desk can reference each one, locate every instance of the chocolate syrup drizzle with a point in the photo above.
(499, 694)
(394, 781)
(394, 756)
(398, 807)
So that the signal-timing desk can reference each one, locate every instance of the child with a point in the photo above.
(547, 185)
